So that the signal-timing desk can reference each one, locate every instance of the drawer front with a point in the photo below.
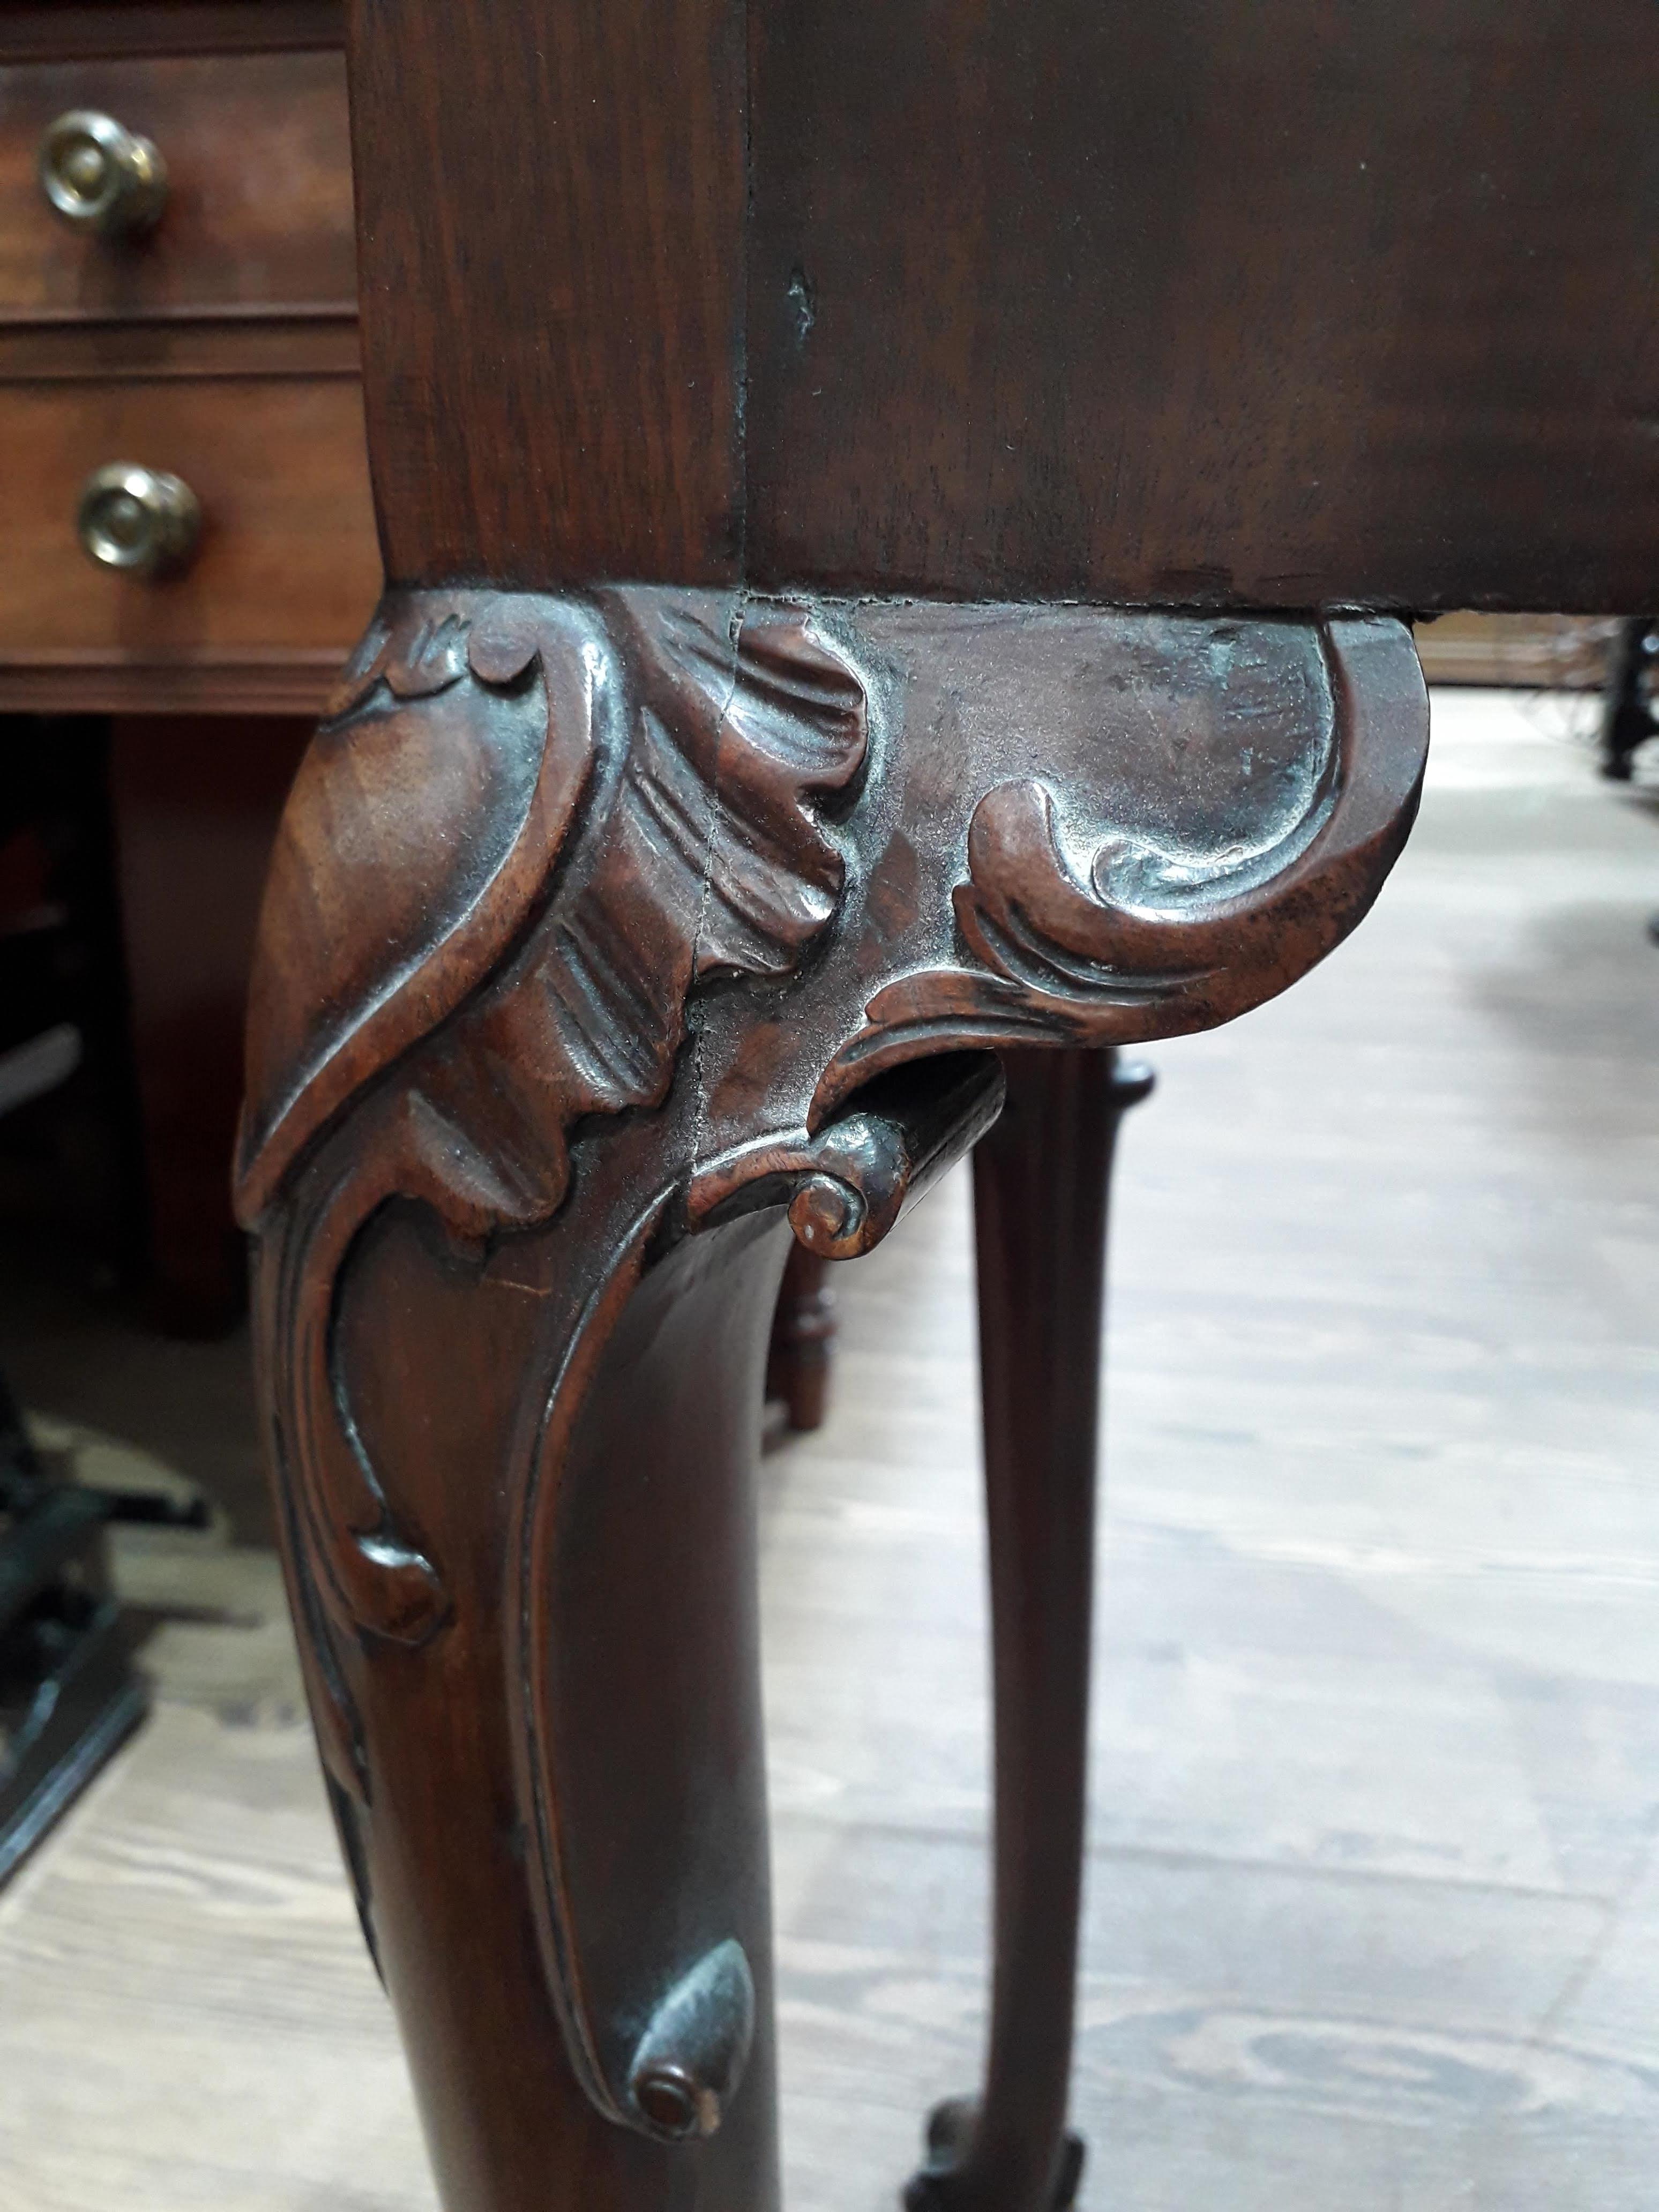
(257, 212)
(286, 561)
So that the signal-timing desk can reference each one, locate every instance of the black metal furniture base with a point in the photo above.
(69, 1694)
(1628, 720)
(82, 1710)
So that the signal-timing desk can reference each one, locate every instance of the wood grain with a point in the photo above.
(1207, 306)
(142, 352)
(258, 212)
(247, 682)
(588, 918)
(1371, 1915)
(1208, 303)
(567, 405)
(287, 562)
(168, 26)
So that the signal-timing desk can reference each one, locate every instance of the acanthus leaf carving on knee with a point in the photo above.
(602, 924)
(426, 928)
(638, 783)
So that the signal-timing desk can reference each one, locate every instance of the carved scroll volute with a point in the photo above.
(1077, 931)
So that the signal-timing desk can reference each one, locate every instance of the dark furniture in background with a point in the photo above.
(204, 334)
(1629, 720)
(68, 1692)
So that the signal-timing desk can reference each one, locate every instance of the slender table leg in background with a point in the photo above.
(1042, 1181)
(196, 799)
(803, 1347)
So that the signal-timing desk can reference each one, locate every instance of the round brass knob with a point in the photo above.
(100, 176)
(138, 518)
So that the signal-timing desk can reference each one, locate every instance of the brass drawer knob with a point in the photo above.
(100, 176)
(138, 518)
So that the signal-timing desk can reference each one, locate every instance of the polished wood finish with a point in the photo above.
(287, 562)
(994, 326)
(509, 1222)
(1215, 304)
(1041, 1184)
(31, 31)
(259, 210)
(1359, 1285)
(222, 346)
(801, 1353)
(614, 369)
(896, 525)
(255, 682)
(263, 346)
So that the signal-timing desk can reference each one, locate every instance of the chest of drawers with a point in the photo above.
(207, 333)
(179, 332)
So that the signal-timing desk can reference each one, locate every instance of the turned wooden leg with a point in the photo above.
(803, 1347)
(196, 800)
(605, 936)
(1042, 1181)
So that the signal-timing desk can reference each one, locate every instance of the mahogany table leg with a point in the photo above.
(603, 934)
(1042, 1181)
(802, 1344)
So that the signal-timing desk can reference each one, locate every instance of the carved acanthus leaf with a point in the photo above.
(433, 803)
(430, 950)
(713, 744)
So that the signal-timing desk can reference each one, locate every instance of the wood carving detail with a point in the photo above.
(590, 918)
(705, 859)
(697, 746)
(1130, 940)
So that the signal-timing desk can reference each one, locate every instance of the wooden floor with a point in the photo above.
(1373, 1912)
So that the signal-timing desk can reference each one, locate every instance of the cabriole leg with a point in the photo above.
(604, 935)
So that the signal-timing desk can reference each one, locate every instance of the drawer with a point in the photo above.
(257, 213)
(287, 567)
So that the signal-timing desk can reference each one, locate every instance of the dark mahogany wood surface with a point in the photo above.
(1041, 1178)
(1210, 304)
(1268, 302)
(35, 30)
(567, 403)
(259, 216)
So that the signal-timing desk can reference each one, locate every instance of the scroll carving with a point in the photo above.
(1115, 940)
(599, 923)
